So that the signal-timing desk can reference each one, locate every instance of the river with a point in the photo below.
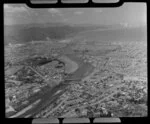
(49, 96)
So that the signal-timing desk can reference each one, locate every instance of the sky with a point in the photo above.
(128, 14)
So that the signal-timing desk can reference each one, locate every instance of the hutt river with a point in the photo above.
(48, 95)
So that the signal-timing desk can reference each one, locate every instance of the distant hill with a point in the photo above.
(58, 31)
(36, 32)
(115, 34)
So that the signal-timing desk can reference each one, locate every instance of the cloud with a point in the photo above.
(98, 10)
(11, 9)
(55, 12)
(52, 10)
(78, 12)
(65, 19)
(124, 24)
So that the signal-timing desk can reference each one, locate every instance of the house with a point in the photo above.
(10, 109)
(35, 90)
(13, 70)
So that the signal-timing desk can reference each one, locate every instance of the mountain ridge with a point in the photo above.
(54, 31)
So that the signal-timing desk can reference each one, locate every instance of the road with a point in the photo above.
(51, 95)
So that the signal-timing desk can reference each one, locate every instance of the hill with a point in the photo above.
(115, 34)
(59, 31)
(36, 32)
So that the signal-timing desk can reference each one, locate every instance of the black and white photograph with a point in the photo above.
(75, 62)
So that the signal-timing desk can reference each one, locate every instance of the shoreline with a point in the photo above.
(70, 65)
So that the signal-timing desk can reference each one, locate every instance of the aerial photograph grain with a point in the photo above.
(75, 62)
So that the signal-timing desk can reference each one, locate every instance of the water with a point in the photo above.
(48, 97)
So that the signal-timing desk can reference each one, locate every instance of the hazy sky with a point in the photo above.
(128, 14)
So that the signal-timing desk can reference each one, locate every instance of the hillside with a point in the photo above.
(58, 31)
(37, 32)
(115, 34)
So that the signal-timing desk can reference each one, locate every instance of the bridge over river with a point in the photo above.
(50, 95)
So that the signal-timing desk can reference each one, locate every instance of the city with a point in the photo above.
(65, 63)
(112, 88)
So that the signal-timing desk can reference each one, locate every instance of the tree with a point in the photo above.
(89, 111)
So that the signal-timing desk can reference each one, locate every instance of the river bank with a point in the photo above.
(70, 66)
(77, 69)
